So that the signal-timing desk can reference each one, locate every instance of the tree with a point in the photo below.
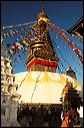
(71, 96)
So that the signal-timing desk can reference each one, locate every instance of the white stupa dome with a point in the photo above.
(42, 87)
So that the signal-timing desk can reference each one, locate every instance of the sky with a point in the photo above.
(61, 13)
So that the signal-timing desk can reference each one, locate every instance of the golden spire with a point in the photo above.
(42, 15)
(43, 9)
(69, 66)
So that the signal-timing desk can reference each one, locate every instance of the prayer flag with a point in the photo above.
(24, 42)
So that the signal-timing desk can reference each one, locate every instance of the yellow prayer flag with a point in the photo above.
(24, 42)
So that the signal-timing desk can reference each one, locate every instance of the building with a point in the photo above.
(41, 84)
(70, 72)
(9, 96)
(41, 56)
(77, 28)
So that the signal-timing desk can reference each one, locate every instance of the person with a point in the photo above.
(65, 119)
(70, 121)
(30, 121)
(58, 117)
(76, 119)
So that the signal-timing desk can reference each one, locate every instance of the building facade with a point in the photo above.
(9, 96)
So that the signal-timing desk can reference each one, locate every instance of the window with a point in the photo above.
(8, 79)
(5, 62)
(12, 71)
(10, 88)
(7, 70)
(13, 78)
(2, 77)
(11, 64)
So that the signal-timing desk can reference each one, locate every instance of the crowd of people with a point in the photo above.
(44, 116)
(71, 118)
